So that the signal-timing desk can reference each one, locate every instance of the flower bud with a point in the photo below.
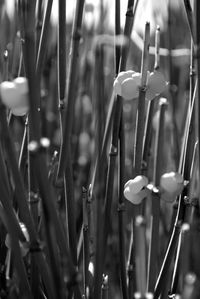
(171, 184)
(134, 190)
(20, 111)
(22, 84)
(8, 91)
(156, 85)
(129, 89)
(15, 95)
(120, 78)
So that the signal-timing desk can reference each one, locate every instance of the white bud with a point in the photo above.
(156, 85)
(120, 78)
(21, 84)
(20, 111)
(134, 190)
(171, 184)
(15, 95)
(9, 93)
(129, 89)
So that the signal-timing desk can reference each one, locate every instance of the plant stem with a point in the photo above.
(140, 230)
(121, 210)
(189, 14)
(85, 242)
(46, 190)
(138, 148)
(197, 43)
(71, 89)
(117, 33)
(42, 47)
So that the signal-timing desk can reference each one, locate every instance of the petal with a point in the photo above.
(129, 89)
(21, 84)
(137, 78)
(135, 198)
(117, 87)
(124, 75)
(172, 182)
(136, 185)
(9, 93)
(20, 111)
(156, 82)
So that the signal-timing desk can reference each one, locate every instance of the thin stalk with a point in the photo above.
(23, 151)
(85, 242)
(104, 288)
(160, 283)
(71, 89)
(138, 147)
(185, 251)
(39, 21)
(150, 108)
(65, 163)
(176, 270)
(99, 253)
(62, 44)
(140, 230)
(121, 209)
(189, 15)
(117, 32)
(157, 49)
(147, 136)
(46, 191)
(138, 150)
(33, 199)
(154, 240)
(42, 47)
(197, 43)
(176, 149)
(5, 65)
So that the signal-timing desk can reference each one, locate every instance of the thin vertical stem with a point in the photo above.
(138, 148)
(197, 45)
(154, 240)
(71, 89)
(121, 209)
(117, 33)
(42, 47)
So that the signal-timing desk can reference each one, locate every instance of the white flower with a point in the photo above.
(134, 190)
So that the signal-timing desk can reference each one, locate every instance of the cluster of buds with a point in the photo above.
(14, 95)
(127, 84)
(171, 185)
